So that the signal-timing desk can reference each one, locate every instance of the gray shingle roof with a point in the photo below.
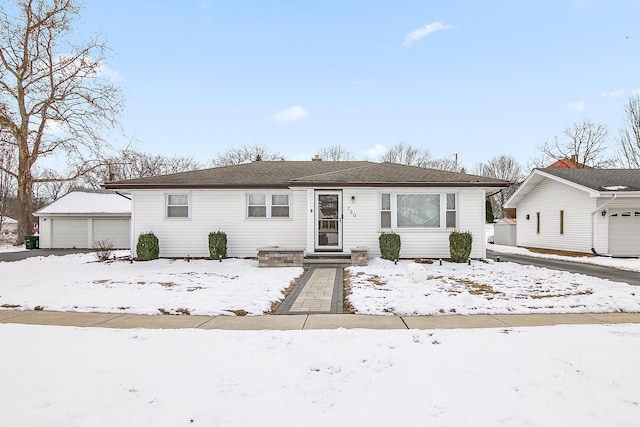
(600, 179)
(284, 174)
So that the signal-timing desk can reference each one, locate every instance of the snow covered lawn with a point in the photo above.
(632, 264)
(545, 376)
(79, 283)
(483, 288)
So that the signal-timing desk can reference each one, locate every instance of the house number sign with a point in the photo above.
(351, 212)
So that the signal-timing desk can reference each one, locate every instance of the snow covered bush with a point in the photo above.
(218, 245)
(390, 246)
(460, 245)
(148, 247)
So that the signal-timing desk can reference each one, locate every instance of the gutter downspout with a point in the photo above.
(593, 225)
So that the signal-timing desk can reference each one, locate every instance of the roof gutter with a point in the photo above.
(593, 224)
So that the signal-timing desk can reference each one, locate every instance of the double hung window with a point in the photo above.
(265, 205)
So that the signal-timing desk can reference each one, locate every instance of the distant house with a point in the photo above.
(9, 225)
(80, 220)
(579, 210)
(309, 206)
(568, 163)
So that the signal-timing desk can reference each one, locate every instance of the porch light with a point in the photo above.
(604, 212)
(527, 216)
(353, 199)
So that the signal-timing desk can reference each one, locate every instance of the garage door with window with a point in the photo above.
(624, 233)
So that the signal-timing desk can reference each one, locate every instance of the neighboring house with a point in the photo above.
(579, 209)
(313, 206)
(567, 163)
(80, 220)
(9, 225)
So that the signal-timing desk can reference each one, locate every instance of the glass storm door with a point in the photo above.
(328, 221)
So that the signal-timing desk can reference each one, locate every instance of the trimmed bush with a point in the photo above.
(148, 247)
(460, 245)
(218, 245)
(390, 246)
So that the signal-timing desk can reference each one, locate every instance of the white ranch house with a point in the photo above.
(309, 206)
(579, 210)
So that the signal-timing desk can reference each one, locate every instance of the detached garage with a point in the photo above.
(80, 220)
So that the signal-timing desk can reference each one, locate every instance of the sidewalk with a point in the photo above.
(308, 321)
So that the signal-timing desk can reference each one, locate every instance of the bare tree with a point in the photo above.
(53, 94)
(335, 153)
(585, 141)
(501, 167)
(131, 164)
(445, 164)
(629, 135)
(50, 186)
(406, 154)
(245, 154)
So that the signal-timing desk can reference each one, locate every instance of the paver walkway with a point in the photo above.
(319, 291)
(308, 321)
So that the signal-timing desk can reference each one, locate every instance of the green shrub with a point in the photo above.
(390, 246)
(148, 247)
(490, 216)
(460, 245)
(218, 245)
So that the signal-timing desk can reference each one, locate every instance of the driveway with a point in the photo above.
(18, 256)
(613, 274)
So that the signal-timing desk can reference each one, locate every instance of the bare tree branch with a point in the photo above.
(54, 98)
(406, 154)
(629, 135)
(335, 153)
(245, 154)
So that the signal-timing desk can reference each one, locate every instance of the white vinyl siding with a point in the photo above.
(225, 210)
(219, 210)
(362, 223)
(547, 200)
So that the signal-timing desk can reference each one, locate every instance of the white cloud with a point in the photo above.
(576, 106)
(635, 92)
(420, 33)
(376, 152)
(108, 73)
(291, 114)
(613, 94)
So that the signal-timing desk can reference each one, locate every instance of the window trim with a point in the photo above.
(393, 209)
(166, 205)
(268, 200)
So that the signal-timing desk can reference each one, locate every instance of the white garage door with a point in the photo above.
(624, 233)
(114, 230)
(69, 233)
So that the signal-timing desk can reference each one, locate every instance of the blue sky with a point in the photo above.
(476, 78)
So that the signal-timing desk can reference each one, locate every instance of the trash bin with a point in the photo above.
(31, 242)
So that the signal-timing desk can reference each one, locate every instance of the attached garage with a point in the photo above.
(81, 220)
(624, 233)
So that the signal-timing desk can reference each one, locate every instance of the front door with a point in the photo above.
(328, 221)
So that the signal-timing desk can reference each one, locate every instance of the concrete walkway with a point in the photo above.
(319, 291)
(309, 321)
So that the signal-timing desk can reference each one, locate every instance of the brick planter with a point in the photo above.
(359, 257)
(274, 256)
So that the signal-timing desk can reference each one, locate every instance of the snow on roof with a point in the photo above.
(8, 220)
(615, 187)
(79, 202)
